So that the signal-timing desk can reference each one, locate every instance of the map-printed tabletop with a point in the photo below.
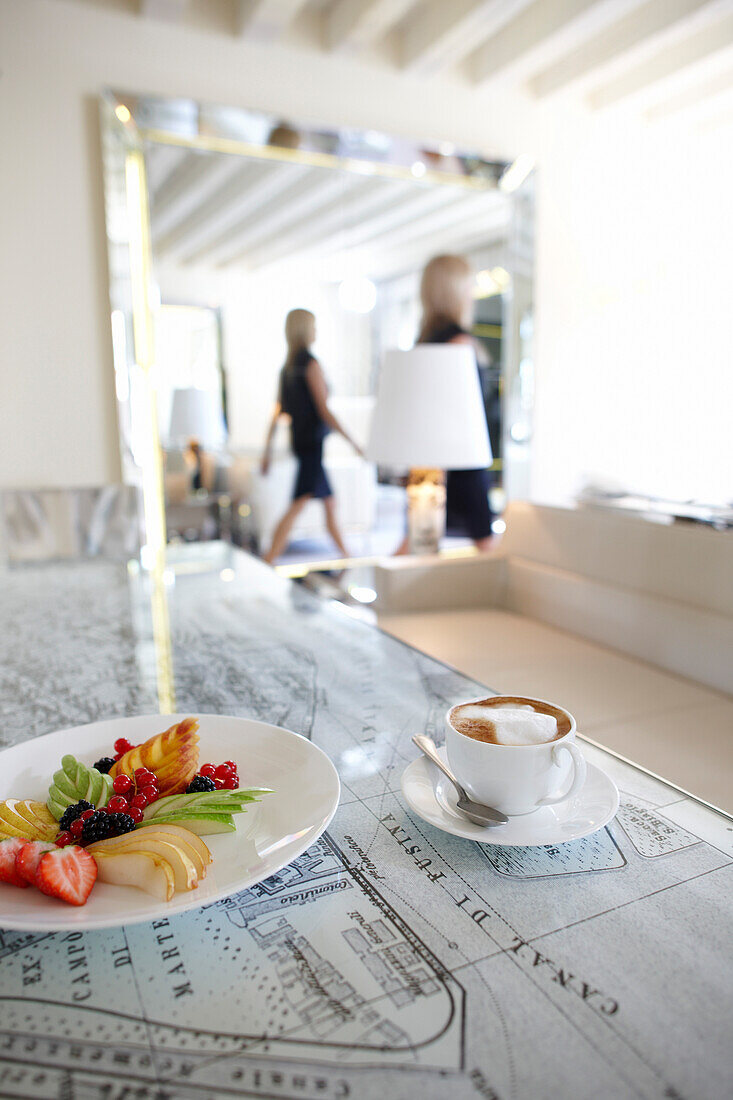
(391, 960)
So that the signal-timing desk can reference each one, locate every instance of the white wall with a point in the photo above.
(634, 233)
(635, 319)
(58, 418)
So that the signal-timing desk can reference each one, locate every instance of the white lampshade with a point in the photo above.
(430, 410)
(196, 414)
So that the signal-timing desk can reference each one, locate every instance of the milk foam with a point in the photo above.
(514, 724)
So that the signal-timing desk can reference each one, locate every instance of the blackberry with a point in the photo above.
(95, 827)
(72, 812)
(105, 764)
(118, 824)
(200, 783)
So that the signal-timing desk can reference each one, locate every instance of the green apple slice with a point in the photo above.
(210, 801)
(74, 781)
(200, 824)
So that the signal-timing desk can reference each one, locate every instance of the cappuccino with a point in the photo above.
(510, 720)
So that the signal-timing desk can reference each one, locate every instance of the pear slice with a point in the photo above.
(185, 836)
(147, 870)
(24, 809)
(185, 875)
(11, 822)
(185, 842)
(28, 819)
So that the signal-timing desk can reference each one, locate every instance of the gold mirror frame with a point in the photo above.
(125, 136)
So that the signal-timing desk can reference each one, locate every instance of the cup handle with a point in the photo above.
(579, 769)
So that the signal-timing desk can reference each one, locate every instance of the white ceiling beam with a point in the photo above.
(254, 184)
(640, 26)
(692, 97)
(380, 258)
(386, 264)
(267, 19)
(456, 215)
(534, 26)
(356, 24)
(423, 202)
(170, 10)
(288, 210)
(190, 183)
(665, 63)
(441, 32)
(468, 210)
(400, 208)
(372, 197)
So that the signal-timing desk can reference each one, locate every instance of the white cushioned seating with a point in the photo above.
(628, 623)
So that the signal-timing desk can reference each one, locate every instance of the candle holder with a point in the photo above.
(425, 509)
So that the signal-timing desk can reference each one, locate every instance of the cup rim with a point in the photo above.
(523, 698)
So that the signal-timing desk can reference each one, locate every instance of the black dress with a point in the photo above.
(467, 491)
(307, 429)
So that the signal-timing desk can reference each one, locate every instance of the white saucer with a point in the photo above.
(431, 796)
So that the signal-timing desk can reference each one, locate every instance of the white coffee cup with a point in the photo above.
(516, 779)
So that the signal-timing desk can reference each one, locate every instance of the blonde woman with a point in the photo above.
(303, 396)
(446, 294)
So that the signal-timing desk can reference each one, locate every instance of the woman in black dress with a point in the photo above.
(303, 396)
(446, 294)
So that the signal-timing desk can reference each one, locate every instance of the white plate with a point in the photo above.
(434, 799)
(269, 835)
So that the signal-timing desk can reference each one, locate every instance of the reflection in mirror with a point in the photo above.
(243, 231)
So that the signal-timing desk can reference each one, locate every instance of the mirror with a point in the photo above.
(248, 218)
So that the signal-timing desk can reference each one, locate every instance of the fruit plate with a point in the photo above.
(271, 834)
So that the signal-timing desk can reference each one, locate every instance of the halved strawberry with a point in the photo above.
(8, 851)
(67, 873)
(28, 858)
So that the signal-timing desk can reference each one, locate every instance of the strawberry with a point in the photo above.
(28, 858)
(8, 851)
(67, 873)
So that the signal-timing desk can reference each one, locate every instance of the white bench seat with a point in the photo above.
(673, 727)
(628, 624)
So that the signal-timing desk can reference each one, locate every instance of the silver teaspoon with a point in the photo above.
(474, 811)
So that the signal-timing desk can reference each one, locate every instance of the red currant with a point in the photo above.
(121, 784)
(117, 804)
(218, 783)
(136, 814)
(222, 772)
(86, 815)
(122, 745)
(150, 793)
(231, 764)
(139, 801)
(63, 839)
(76, 827)
(208, 770)
(230, 784)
